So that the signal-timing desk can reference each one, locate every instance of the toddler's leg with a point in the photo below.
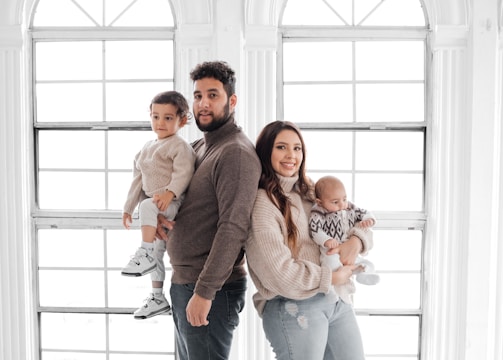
(156, 303)
(159, 274)
(143, 261)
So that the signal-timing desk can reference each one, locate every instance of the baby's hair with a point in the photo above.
(173, 98)
(324, 182)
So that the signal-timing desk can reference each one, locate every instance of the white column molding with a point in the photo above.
(485, 182)
(193, 45)
(17, 309)
(258, 107)
(260, 78)
(444, 266)
(498, 350)
(449, 36)
(463, 271)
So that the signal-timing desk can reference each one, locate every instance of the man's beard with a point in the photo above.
(217, 122)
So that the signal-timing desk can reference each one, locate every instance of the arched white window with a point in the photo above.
(353, 75)
(96, 67)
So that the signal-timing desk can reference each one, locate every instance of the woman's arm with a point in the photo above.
(361, 241)
(270, 261)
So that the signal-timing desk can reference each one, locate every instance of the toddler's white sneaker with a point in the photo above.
(141, 263)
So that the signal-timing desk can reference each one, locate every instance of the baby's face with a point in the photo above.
(334, 199)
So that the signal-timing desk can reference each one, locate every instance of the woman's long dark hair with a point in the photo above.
(269, 181)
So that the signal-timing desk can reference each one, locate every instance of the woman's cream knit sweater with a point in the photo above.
(270, 263)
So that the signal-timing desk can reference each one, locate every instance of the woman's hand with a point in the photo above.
(349, 250)
(342, 275)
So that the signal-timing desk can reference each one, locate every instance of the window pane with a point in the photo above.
(90, 13)
(50, 355)
(141, 13)
(389, 102)
(65, 60)
(391, 335)
(124, 145)
(389, 151)
(317, 61)
(299, 12)
(121, 244)
(59, 102)
(394, 291)
(153, 335)
(143, 356)
(389, 60)
(318, 103)
(61, 13)
(73, 331)
(88, 332)
(128, 101)
(87, 243)
(383, 255)
(139, 59)
(410, 13)
(118, 187)
(71, 190)
(328, 150)
(72, 288)
(366, 13)
(389, 192)
(71, 149)
(128, 291)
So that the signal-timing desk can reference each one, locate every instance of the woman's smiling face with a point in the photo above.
(287, 156)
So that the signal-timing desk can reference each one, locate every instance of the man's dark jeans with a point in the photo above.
(211, 342)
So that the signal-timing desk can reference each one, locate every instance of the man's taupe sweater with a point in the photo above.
(206, 245)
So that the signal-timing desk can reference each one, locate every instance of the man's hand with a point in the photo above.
(197, 310)
(162, 225)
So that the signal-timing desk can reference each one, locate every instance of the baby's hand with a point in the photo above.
(126, 220)
(331, 244)
(366, 223)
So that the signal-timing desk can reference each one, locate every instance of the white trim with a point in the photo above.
(17, 310)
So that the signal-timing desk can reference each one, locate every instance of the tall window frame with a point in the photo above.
(84, 307)
(324, 23)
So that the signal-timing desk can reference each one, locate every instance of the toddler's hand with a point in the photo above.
(161, 200)
(126, 220)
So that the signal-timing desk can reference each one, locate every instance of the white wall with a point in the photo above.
(464, 273)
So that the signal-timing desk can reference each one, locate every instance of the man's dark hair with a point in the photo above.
(218, 70)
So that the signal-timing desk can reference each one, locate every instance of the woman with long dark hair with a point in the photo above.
(303, 317)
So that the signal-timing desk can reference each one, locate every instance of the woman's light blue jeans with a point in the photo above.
(319, 328)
